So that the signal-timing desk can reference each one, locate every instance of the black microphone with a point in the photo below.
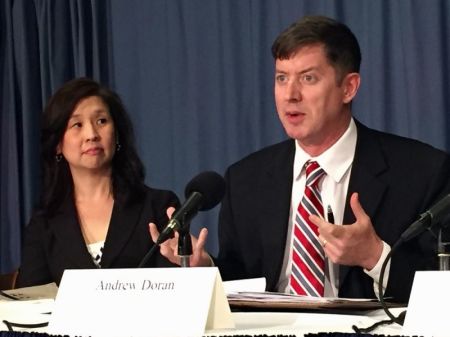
(202, 193)
(427, 219)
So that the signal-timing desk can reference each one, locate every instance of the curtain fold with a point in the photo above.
(197, 79)
(44, 43)
(199, 84)
(11, 198)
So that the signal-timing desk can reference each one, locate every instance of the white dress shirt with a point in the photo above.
(337, 163)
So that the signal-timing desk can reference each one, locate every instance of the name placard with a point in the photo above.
(427, 313)
(140, 302)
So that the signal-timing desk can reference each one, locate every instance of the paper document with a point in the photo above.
(27, 309)
(276, 297)
(273, 300)
(245, 285)
(46, 291)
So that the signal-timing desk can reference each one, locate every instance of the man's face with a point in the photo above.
(311, 104)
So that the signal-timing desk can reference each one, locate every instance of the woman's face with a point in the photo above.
(88, 143)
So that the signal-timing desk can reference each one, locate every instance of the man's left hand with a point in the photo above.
(356, 244)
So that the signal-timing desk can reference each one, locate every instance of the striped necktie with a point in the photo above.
(308, 257)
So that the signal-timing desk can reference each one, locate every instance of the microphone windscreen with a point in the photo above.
(210, 185)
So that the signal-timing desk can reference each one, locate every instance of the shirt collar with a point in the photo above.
(336, 160)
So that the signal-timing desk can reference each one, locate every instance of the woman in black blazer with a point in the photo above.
(94, 208)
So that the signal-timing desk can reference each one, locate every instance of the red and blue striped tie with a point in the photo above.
(308, 257)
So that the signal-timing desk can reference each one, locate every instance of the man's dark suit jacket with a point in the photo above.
(56, 243)
(396, 178)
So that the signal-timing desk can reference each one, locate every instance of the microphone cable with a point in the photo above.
(400, 319)
(148, 255)
(392, 319)
(426, 221)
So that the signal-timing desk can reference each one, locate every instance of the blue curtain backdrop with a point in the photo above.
(197, 78)
(42, 44)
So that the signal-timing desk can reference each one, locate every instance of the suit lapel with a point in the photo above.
(274, 219)
(366, 178)
(124, 219)
(68, 236)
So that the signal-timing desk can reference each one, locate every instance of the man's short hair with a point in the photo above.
(340, 44)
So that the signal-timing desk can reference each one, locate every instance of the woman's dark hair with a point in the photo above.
(341, 46)
(127, 168)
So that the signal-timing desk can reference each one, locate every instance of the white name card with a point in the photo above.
(428, 313)
(140, 302)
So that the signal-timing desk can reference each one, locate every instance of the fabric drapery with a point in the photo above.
(197, 79)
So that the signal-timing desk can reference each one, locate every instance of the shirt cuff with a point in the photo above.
(375, 272)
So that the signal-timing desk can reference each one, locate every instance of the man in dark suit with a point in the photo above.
(374, 183)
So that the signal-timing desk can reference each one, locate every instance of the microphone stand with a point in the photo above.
(184, 243)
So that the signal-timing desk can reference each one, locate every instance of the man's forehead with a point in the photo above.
(304, 59)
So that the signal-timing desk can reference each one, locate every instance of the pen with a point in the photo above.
(330, 215)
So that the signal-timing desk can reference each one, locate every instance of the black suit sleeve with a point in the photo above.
(397, 179)
(55, 243)
(229, 260)
(421, 252)
(34, 269)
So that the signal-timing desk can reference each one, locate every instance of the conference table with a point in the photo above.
(271, 324)
(247, 322)
(302, 323)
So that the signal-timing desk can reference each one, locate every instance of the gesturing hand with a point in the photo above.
(169, 248)
(356, 244)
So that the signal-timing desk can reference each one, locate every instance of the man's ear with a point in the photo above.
(350, 85)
